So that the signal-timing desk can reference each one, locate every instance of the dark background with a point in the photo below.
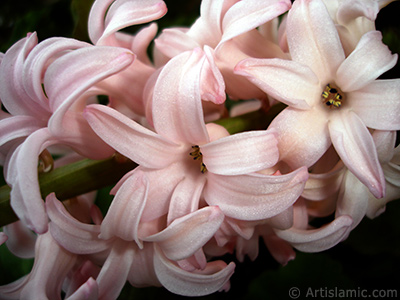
(368, 259)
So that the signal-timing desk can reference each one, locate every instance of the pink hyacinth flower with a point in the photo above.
(332, 99)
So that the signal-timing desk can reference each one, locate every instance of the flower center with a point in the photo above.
(197, 155)
(331, 97)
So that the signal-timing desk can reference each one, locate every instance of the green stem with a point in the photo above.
(70, 181)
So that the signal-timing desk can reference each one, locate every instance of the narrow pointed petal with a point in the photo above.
(248, 15)
(73, 235)
(114, 272)
(367, 62)
(38, 59)
(70, 76)
(123, 216)
(107, 17)
(378, 104)
(241, 153)
(353, 200)
(88, 291)
(26, 199)
(18, 126)
(186, 197)
(303, 136)
(211, 279)
(131, 139)
(320, 186)
(174, 41)
(255, 196)
(185, 235)
(356, 148)
(311, 44)
(177, 108)
(317, 240)
(287, 81)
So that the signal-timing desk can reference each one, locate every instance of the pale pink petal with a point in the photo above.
(303, 136)
(355, 146)
(353, 200)
(38, 59)
(378, 104)
(70, 76)
(18, 126)
(241, 153)
(287, 81)
(320, 186)
(207, 29)
(186, 197)
(385, 142)
(51, 266)
(12, 291)
(114, 272)
(177, 108)
(87, 291)
(12, 93)
(107, 17)
(368, 61)
(26, 199)
(348, 11)
(132, 140)
(123, 216)
(173, 41)
(311, 43)
(281, 250)
(3, 238)
(317, 240)
(185, 235)
(244, 16)
(212, 83)
(142, 273)
(254, 196)
(21, 241)
(213, 278)
(73, 235)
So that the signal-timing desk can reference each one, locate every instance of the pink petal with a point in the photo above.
(213, 278)
(303, 136)
(241, 153)
(38, 60)
(51, 266)
(254, 196)
(21, 241)
(186, 197)
(378, 104)
(355, 146)
(12, 93)
(349, 11)
(177, 108)
(123, 216)
(73, 235)
(320, 186)
(368, 61)
(88, 291)
(248, 15)
(185, 235)
(385, 142)
(18, 126)
(131, 139)
(353, 200)
(174, 41)
(3, 238)
(114, 272)
(72, 74)
(317, 240)
(311, 44)
(287, 81)
(107, 17)
(26, 199)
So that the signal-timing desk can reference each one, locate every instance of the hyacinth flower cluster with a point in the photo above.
(192, 186)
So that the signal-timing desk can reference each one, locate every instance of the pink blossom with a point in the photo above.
(308, 125)
(224, 177)
(49, 114)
